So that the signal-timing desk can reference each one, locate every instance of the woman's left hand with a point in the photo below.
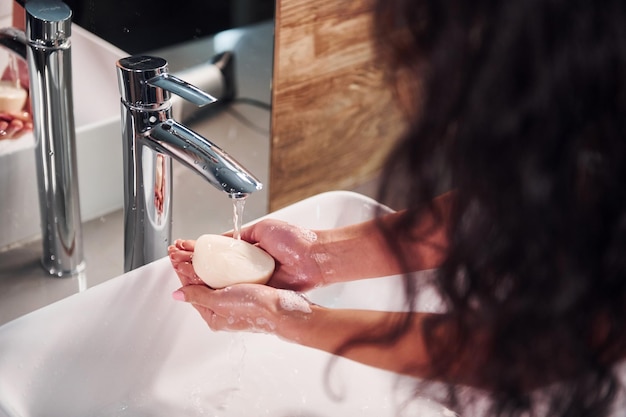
(244, 307)
(180, 254)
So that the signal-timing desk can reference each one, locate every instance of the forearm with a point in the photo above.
(284, 313)
(354, 252)
(362, 251)
(329, 330)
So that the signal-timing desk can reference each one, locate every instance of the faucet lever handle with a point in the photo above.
(181, 88)
(145, 82)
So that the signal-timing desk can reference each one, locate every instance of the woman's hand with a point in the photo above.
(13, 125)
(181, 253)
(241, 307)
(245, 307)
(297, 251)
(299, 260)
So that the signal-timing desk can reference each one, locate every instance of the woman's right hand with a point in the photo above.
(298, 255)
(297, 251)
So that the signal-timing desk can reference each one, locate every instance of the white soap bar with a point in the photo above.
(221, 261)
(12, 97)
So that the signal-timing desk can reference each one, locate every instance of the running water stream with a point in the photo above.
(239, 202)
(14, 70)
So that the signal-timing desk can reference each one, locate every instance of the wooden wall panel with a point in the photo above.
(333, 120)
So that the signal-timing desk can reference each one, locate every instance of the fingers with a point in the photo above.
(191, 294)
(235, 308)
(178, 256)
(204, 300)
(254, 233)
(181, 256)
(15, 125)
(250, 234)
(187, 245)
(183, 248)
(23, 116)
(14, 128)
(194, 294)
(187, 275)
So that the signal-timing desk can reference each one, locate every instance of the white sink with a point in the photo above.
(125, 348)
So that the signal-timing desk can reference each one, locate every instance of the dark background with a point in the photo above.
(137, 26)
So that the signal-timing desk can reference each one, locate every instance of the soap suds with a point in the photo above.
(324, 262)
(321, 257)
(301, 276)
(288, 250)
(308, 235)
(293, 301)
(292, 258)
(265, 324)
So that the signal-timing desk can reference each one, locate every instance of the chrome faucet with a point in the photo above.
(46, 47)
(150, 139)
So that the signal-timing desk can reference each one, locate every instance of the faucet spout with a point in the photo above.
(46, 47)
(14, 40)
(151, 138)
(205, 158)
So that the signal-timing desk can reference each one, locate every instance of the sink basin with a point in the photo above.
(125, 347)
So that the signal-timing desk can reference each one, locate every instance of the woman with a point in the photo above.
(518, 108)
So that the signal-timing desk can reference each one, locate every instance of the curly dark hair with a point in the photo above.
(519, 107)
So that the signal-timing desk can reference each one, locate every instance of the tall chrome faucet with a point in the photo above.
(46, 47)
(150, 139)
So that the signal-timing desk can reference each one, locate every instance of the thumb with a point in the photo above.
(194, 294)
(254, 233)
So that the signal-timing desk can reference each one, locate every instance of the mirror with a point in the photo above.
(144, 25)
